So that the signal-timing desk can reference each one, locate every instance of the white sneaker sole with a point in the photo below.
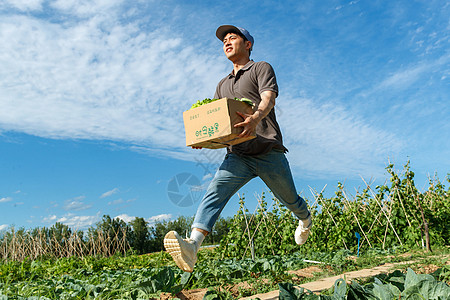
(172, 245)
(300, 239)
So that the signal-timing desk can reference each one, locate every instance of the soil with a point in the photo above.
(192, 295)
(309, 272)
(196, 294)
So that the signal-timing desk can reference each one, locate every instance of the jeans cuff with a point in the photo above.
(309, 216)
(201, 226)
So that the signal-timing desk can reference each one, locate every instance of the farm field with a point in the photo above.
(154, 276)
(384, 242)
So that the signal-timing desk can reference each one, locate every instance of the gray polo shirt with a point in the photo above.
(249, 82)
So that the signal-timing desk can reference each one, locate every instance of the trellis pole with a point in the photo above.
(388, 219)
(331, 216)
(356, 218)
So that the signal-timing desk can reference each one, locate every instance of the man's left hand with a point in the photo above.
(249, 124)
(251, 120)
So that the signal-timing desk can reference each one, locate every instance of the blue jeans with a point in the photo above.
(235, 171)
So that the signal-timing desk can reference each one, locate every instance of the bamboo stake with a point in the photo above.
(389, 221)
(373, 223)
(371, 227)
(425, 225)
(247, 229)
(268, 221)
(247, 225)
(356, 218)
(256, 229)
(335, 224)
(317, 201)
(387, 227)
(404, 210)
(251, 236)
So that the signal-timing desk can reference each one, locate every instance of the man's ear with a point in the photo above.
(248, 45)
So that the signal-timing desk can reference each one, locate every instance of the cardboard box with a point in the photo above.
(212, 125)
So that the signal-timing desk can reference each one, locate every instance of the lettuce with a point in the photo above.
(245, 100)
(202, 102)
(209, 100)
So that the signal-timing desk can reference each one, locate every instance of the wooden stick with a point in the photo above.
(356, 218)
(404, 210)
(317, 200)
(389, 221)
(425, 225)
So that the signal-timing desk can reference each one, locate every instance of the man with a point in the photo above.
(263, 156)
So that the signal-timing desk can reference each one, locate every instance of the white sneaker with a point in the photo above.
(302, 231)
(183, 252)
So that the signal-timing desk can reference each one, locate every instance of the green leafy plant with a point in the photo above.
(202, 102)
(396, 285)
(209, 100)
(245, 100)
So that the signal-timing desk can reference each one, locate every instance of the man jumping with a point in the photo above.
(263, 156)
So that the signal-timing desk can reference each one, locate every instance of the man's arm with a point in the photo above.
(252, 120)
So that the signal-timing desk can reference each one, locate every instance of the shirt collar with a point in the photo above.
(244, 68)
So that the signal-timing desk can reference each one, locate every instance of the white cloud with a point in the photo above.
(79, 222)
(5, 199)
(126, 218)
(50, 219)
(76, 204)
(85, 7)
(151, 221)
(72, 220)
(109, 193)
(159, 218)
(4, 227)
(405, 77)
(91, 75)
(116, 202)
(23, 5)
(95, 78)
(327, 139)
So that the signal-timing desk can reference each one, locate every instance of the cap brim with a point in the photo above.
(222, 31)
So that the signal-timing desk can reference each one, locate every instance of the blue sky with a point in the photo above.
(92, 95)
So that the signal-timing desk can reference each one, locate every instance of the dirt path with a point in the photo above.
(315, 286)
(326, 283)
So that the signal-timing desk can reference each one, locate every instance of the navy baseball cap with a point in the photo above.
(223, 30)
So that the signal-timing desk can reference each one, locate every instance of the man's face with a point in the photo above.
(235, 47)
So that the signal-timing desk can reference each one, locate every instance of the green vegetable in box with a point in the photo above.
(208, 100)
(245, 100)
(202, 102)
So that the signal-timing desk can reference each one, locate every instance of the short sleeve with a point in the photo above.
(216, 94)
(267, 80)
